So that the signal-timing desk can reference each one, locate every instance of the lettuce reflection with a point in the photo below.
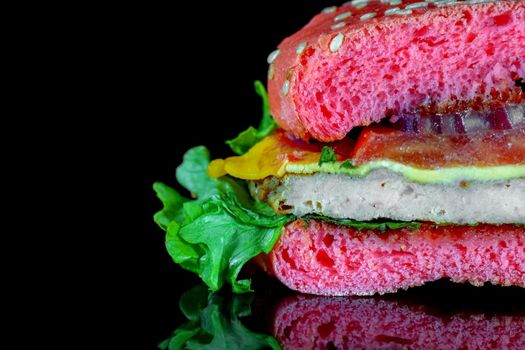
(214, 323)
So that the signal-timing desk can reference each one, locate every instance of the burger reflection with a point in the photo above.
(442, 316)
(365, 323)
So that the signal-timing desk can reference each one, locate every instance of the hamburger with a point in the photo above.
(391, 153)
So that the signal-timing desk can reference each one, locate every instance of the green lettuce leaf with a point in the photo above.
(172, 202)
(219, 231)
(192, 174)
(214, 323)
(249, 137)
(327, 155)
(367, 225)
(347, 164)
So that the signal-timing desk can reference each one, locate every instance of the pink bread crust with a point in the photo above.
(326, 259)
(435, 58)
(303, 322)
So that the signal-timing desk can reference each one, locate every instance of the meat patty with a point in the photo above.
(325, 259)
(382, 194)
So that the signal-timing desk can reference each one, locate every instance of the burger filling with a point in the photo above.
(461, 168)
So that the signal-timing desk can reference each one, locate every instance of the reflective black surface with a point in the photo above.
(440, 315)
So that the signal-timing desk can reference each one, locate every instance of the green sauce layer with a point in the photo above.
(430, 176)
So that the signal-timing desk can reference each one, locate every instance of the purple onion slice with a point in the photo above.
(466, 122)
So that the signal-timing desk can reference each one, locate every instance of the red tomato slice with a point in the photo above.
(491, 148)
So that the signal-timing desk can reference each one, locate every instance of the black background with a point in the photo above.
(189, 75)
